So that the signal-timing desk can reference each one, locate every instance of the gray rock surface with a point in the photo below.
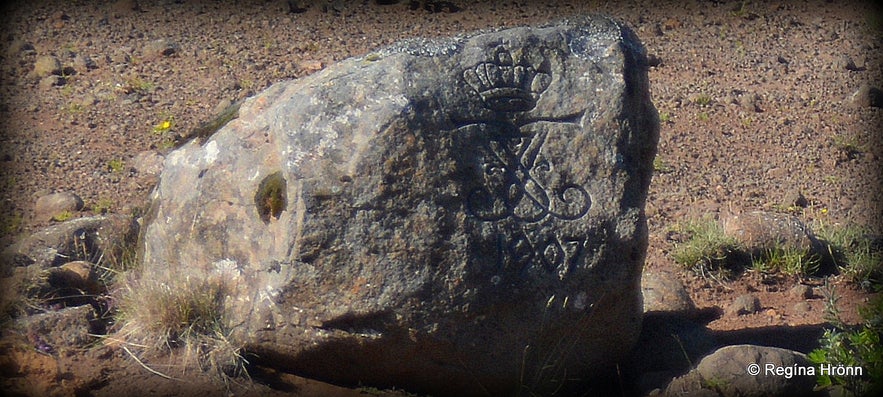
(744, 304)
(53, 205)
(726, 372)
(761, 230)
(663, 292)
(453, 216)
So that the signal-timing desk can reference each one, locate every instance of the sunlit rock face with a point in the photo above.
(457, 216)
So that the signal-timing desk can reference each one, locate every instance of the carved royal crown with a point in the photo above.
(506, 86)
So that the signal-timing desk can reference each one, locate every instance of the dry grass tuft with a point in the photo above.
(183, 316)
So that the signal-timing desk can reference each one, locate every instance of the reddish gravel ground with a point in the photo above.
(756, 101)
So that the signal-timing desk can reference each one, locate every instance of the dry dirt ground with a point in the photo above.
(755, 99)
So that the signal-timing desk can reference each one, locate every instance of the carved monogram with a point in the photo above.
(519, 190)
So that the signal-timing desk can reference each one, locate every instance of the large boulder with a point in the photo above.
(455, 216)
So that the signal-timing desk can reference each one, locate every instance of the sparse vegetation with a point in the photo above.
(63, 216)
(707, 248)
(851, 347)
(849, 145)
(188, 313)
(787, 260)
(856, 255)
(702, 100)
(116, 165)
(660, 166)
(103, 206)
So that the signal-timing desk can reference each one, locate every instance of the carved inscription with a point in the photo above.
(518, 189)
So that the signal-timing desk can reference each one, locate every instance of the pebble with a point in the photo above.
(800, 291)
(801, 307)
(47, 65)
(867, 96)
(161, 47)
(663, 292)
(50, 206)
(744, 304)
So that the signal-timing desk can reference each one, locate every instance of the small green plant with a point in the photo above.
(856, 256)
(787, 260)
(137, 85)
(660, 166)
(102, 206)
(63, 216)
(116, 165)
(12, 223)
(849, 145)
(742, 11)
(703, 116)
(707, 247)
(857, 348)
(702, 100)
(664, 117)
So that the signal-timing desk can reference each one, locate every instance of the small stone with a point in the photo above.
(148, 162)
(51, 206)
(85, 62)
(161, 47)
(744, 304)
(800, 291)
(801, 307)
(796, 199)
(47, 65)
(76, 275)
(67, 328)
(664, 293)
(51, 81)
(846, 62)
(310, 65)
(867, 96)
(121, 8)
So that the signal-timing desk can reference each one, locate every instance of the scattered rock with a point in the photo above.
(409, 216)
(846, 63)
(122, 8)
(85, 62)
(77, 275)
(67, 328)
(45, 248)
(760, 230)
(801, 307)
(750, 102)
(744, 304)
(725, 373)
(51, 206)
(47, 65)
(663, 292)
(310, 65)
(796, 199)
(160, 47)
(51, 81)
(148, 163)
(867, 96)
(800, 291)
